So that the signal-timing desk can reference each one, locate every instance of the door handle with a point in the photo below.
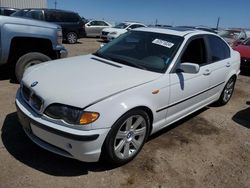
(228, 64)
(207, 72)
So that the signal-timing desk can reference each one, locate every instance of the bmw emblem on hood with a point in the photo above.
(34, 84)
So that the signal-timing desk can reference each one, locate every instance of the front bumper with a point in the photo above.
(78, 144)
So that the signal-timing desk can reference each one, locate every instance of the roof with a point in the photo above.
(128, 22)
(179, 31)
(48, 9)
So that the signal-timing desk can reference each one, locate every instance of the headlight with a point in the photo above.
(113, 33)
(70, 114)
(59, 36)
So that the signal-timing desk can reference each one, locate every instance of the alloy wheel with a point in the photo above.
(228, 91)
(130, 137)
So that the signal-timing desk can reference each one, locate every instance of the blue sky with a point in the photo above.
(170, 12)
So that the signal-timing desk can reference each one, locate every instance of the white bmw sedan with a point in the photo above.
(111, 101)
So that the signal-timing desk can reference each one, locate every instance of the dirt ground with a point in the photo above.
(210, 148)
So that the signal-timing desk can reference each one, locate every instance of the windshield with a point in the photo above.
(121, 26)
(230, 34)
(144, 50)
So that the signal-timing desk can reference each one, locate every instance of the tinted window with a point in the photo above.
(7, 12)
(195, 52)
(218, 49)
(121, 26)
(71, 17)
(102, 23)
(34, 14)
(20, 13)
(146, 50)
(94, 23)
(136, 26)
(54, 16)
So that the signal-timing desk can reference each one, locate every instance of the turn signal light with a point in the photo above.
(88, 117)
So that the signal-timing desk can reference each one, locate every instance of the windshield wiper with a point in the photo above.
(101, 55)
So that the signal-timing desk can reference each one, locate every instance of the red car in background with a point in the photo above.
(244, 50)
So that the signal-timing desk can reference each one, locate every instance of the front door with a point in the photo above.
(189, 91)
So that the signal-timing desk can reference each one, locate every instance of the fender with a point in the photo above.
(121, 103)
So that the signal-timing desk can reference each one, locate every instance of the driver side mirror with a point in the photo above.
(88, 24)
(190, 68)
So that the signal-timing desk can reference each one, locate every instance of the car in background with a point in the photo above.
(113, 32)
(26, 42)
(72, 24)
(233, 36)
(7, 11)
(111, 101)
(244, 50)
(94, 28)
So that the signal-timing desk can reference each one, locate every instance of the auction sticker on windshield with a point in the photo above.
(163, 43)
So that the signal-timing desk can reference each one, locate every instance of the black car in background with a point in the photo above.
(72, 24)
(7, 11)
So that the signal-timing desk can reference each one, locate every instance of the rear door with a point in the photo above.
(188, 91)
(220, 65)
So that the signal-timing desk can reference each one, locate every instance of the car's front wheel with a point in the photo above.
(227, 92)
(127, 137)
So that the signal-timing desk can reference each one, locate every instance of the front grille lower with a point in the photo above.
(31, 98)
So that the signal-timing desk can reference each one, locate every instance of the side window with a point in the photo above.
(195, 52)
(35, 14)
(133, 26)
(70, 17)
(102, 23)
(138, 25)
(218, 49)
(51, 16)
(94, 23)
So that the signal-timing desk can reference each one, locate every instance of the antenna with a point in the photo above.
(55, 4)
(218, 22)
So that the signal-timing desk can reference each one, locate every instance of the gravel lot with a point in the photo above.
(208, 149)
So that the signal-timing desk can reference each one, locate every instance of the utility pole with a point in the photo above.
(156, 21)
(55, 3)
(218, 22)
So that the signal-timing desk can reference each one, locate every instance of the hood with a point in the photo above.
(243, 50)
(82, 80)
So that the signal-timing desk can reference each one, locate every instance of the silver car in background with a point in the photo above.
(94, 28)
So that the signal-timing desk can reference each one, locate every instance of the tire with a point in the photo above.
(133, 128)
(72, 38)
(227, 92)
(28, 60)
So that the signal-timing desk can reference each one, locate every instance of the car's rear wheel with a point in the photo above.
(72, 37)
(27, 60)
(227, 92)
(127, 137)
